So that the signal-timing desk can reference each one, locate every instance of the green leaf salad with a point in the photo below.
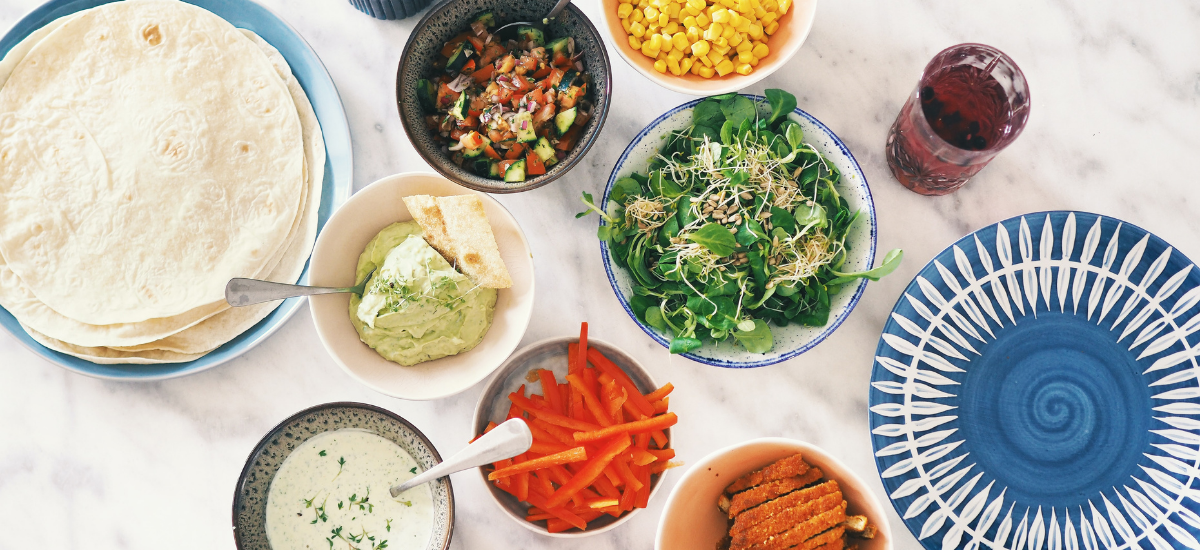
(737, 225)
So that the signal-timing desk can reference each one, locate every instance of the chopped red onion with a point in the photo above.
(524, 124)
(579, 66)
(459, 84)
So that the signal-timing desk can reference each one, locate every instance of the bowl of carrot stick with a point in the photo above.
(601, 436)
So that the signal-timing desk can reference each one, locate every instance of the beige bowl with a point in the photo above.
(691, 519)
(793, 30)
(335, 258)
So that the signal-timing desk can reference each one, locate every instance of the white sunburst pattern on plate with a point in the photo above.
(1113, 274)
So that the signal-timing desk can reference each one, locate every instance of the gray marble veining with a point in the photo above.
(1115, 129)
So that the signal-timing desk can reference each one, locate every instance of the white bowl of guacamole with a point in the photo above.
(451, 335)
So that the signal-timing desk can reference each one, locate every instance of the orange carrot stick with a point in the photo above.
(594, 468)
(544, 448)
(660, 392)
(662, 405)
(608, 367)
(559, 433)
(560, 513)
(550, 417)
(627, 474)
(659, 437)
(637, 426)
(590, 400)
(642, 457)
(582, 357)
(491, 426)
(603, 502)
(521, 485)
(577, 454)
(664, 454)
(550, 390)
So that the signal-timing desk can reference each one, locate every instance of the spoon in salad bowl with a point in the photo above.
(507, 440)
(540, 26)
(247, 292)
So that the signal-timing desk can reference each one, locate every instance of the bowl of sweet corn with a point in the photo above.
(708, 47)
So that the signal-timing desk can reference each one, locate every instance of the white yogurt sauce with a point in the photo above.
(332, 493)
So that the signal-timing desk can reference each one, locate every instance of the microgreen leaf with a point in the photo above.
(756, 340)
(684, 344)
(714, 237)
(891, 261)
(781, 103)
(738, 109)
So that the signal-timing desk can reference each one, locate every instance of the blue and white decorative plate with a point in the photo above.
(338, 182)
(1036, 389)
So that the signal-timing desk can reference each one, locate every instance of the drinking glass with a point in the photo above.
(971, 102)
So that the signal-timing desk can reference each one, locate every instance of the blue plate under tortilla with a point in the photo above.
(1036, 389)
(337, 182)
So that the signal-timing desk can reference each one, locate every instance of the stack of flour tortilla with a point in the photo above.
(149, 152)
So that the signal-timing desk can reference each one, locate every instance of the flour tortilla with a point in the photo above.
(144, 114)
(106, 356)
(225, 326)
(211, 331)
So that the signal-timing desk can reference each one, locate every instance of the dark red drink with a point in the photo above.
(971, 102)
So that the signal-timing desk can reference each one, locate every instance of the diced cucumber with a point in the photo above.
(482, 167)
(487, 18)
(427, 94)
(545, 152)
(459, 109)
(569, 79)
(559, 47)
(472, 152)
(522, 125)
(564, 120)
(515, 172)
(462, 52)
(494, 170)
(526, 33)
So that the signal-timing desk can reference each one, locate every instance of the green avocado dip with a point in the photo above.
(417, 307)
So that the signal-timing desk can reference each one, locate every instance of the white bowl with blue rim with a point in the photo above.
(791, 340)
(323, 95)
(1036, 388)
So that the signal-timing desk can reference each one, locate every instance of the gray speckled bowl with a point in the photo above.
(493, 406)
(446, 20)
(250, 496)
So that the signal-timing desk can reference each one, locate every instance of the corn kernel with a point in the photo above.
(745, 6)
(744, 57)
(689, 21)
(642, 4)
(679, 42)
(744, 46)
(744, 27)
(672, 9)
(720, 16)
(694, 34)
(704, 60)
(625, 24)
(719, 43)
(651, 12)
(728, 3)
(706, 72)
(663, 19)
(636, 16)
(760, 12)
(696, 65)
(784, 6)
(735, 19)
(666, 44)
(737, 40)
(625, 1)
(721, 50)
(673, 66)
(756, 31)
(672, 28)
(689, 11)
(714, 31)
(770, 5)
(635, 42)
(724, 67)
(649, 50)
(768, 19)
(656, 41)
(624, 10)
(760, 51)
(743, 69)
(714, 58)
(697, 4)
(770, 29)
(676, 55)
(728, 32)
(652, 27)
(685, 64)
(637, 29)
(662, 56)
(753, 61)
(700, 48)
(660, 66)
(702, 20)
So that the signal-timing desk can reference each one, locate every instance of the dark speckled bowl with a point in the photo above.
(250, 496)
(447, 19)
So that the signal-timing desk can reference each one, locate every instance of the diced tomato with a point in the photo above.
(556, 76)
(544, 114)
(476, 42)
(504, 164)
(529, 63)
(472, 140)
(521, 83)
(469, 67)
(445, 96)
(533, 165)
(516, 99)
(491, 153)
(567, 99)
(560, 60)
(471, 122)
(491, 52)
(535, 95)
(503, 95)
(456, 133)
(448, 49)
(515, 152)
(567, 141)
(543, 72)
(484, 74)
(506, 64)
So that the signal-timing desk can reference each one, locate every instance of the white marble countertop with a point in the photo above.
(1115, 129)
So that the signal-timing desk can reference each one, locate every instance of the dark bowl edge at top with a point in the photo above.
(577, 154)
